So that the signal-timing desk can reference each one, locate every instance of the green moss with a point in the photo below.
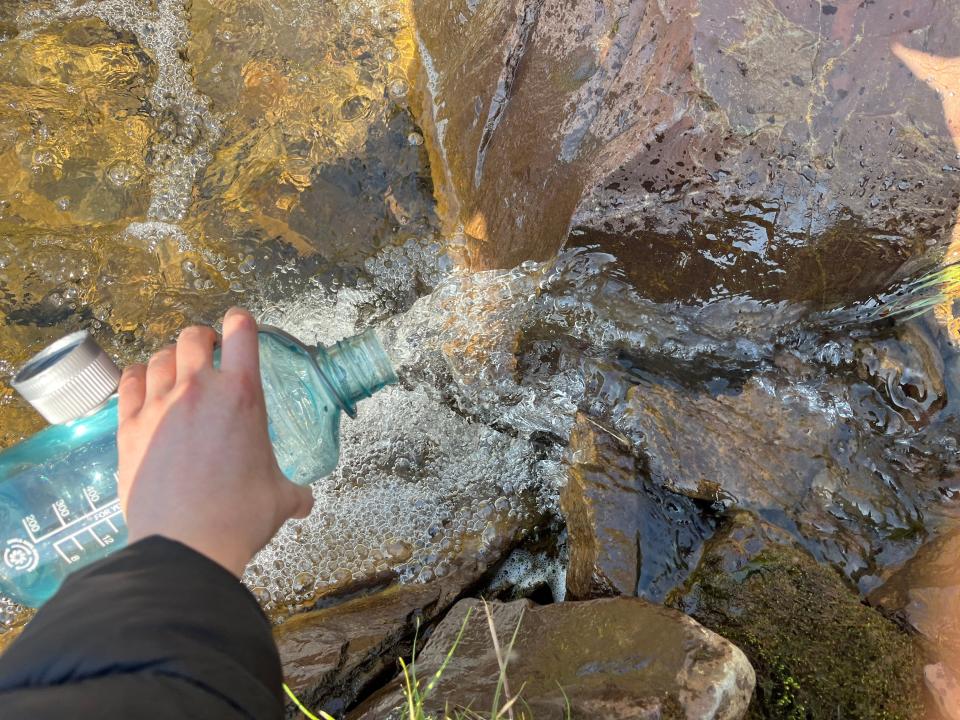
(818, 652)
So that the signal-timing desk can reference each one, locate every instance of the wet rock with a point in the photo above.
(809, 454)
(600, 503)
(617, 527)
(332, 656)
(749, 146)
(612, 658)
(908, 370)
(925, 595)
(818, 652)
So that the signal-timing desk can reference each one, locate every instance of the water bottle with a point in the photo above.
(59, 508)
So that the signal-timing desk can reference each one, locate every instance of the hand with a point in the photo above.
(196, 464)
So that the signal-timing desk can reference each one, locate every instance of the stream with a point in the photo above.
(160, 163)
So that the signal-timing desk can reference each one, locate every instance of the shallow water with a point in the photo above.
(159, 166)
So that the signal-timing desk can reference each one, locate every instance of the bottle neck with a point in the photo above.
(356, 368)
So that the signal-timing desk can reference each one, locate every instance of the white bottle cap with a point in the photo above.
(68, 379)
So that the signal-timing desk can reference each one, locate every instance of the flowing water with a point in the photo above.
(160, 165)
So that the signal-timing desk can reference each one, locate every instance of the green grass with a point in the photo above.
(505, 706)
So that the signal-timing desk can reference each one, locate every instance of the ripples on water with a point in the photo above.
(277, 166)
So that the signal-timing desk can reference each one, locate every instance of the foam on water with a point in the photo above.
(523, 572)
(418, 482)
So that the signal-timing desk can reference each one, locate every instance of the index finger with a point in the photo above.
(240, 351)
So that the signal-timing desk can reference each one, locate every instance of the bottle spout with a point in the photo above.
(356, 368)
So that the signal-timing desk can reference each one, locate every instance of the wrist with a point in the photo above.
(231, 559)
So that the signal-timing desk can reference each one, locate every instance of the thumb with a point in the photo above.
(298, 500)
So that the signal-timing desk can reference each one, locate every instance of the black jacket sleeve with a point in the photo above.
(154, 631)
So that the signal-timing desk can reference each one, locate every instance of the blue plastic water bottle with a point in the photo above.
(59, 508)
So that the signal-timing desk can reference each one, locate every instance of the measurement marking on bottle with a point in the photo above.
(92, 496)
(61, 511)
(70, 547)
(93, 517)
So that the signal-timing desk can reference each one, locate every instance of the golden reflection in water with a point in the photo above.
(943, 76)
(311, 153)
(72, 135)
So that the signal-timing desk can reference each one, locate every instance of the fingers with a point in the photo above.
(161, 373)
(241, 348)
(195, 351)
(132, 390)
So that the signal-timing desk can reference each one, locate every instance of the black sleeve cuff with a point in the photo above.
(154, 607)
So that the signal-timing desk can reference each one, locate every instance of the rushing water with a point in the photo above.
(159, 166)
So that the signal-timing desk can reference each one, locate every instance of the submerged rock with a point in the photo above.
(75, 129)
(622, 541)
(315, 149)
(614, 658)
(818, 652)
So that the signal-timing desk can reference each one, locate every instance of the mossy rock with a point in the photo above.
(817, 650)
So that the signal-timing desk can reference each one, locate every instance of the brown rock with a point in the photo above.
(791, 451)
(626, 537)
(332, 656)
(601, 506)
(945, 689)
(612, 658)
(758, 146)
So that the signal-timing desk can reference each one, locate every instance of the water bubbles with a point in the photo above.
(355, 107)
(227, 33)
(43, 157)
(63, 203)
(415, 138)
(424, 471)
(121, 173)
(303, 582)
(341, 576)
(398, 88)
